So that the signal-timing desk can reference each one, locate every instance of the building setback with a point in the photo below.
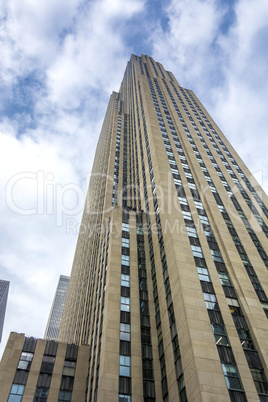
(169, 281)
(42, 370)
(4, 286)
(53, 324)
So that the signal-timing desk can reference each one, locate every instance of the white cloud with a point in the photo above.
(241, 105)
(193, 27)
(59, 63)
(226, 69)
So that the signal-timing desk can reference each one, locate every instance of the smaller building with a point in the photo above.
(43, 370)
(53, 324)
(4, 287)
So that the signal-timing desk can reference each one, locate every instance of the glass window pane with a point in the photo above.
(41, 392)
(17, 389)
(125, 227)
(209, 297)
(125, 242)
(26, 356)
(125, 360)
(125, 304)
(212, 306)
(21, 389)
(124, 398)
(14, 389)
(204, 278)
(124, 336)
(125, 279)
(125, 307)
(49, 359)
(257, 374)
(68, 371)
(233, 383)
(15, 398)
(203, 271)
(23, 365)
(125, 260)
(125, 332)
(218, 329)
(64, 396)
(261, 387)
(229, 369)
(181, 383)
(124, 371)
(221, 340)
(69, 363)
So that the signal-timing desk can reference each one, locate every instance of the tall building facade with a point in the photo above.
(169, 281)
(4, 287)
(53, 324)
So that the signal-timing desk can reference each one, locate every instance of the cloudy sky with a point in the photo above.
(60, 61)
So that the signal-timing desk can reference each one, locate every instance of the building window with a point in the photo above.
(224, 278)
(220, 335)
(187, 215)
(125, 227)
(125, 281)
(191, 232)
(125, 260)
(177, 181)
(203, 274)
(199, 204)
(216, 255)
(183, 201)
(245, 339)
(197, 251)
(124, 332)
(124, 369)
(259, 380)
(16, 393)
(125, 304)
(64, 396)
(47, 364)
(231, 376)
(124, 398)
(125, 242)
(147, 369)
(25, 361)
(211, 301)
(41, 394)
(232, 302)
(69, 368)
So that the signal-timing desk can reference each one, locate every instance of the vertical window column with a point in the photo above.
(164, 382)
(117, 161)
(22, 372)
(146, 344)
(169, 302)
(68, 373)
(46, 370)
(125, 332)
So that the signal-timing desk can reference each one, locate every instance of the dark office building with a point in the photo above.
(53, 324)
(4, 286)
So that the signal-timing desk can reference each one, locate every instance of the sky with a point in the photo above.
(60, 61)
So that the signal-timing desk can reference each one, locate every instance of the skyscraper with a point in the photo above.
(170, 271)
(168, 283)
(4, 286)
(53, 324)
